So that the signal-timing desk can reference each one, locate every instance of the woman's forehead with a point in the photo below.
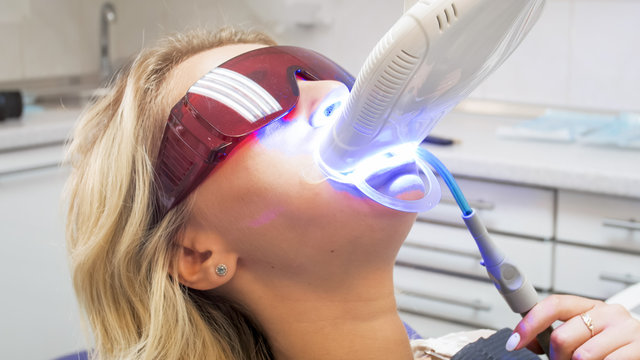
(193, 68)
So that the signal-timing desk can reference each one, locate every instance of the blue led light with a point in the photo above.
(329, 109)
(385, 163)
(389, 174)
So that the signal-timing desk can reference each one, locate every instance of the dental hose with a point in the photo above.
(507, 278)
(448, 179)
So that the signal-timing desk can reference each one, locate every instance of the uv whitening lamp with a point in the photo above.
(432, 58)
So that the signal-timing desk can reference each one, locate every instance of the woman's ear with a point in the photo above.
(204, 262)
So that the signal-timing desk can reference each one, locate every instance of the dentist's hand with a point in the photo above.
(592, 329)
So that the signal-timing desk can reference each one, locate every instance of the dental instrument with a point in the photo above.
(432, 57)
(510, 282)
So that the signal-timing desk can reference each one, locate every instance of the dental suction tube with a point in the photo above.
(510, 282)
(432, 57)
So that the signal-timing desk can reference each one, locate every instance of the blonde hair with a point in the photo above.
(122, 264)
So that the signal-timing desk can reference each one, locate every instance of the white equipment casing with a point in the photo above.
(433, 57)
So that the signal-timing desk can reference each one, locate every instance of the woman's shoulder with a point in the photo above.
(482, 344)
(445, 347)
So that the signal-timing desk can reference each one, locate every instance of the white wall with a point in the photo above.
(42, 38)
(141, 22)
(347, 32)
(53, 38)
(582, 53)
(350, 29)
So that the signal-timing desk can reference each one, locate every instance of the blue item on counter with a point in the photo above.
(621, 130)
(624, 132)
(557, 125)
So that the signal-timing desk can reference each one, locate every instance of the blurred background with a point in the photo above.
(582, 55)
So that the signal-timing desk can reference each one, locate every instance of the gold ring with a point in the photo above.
(587, 321)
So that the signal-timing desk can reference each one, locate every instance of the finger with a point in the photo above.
(612, 328)
(554, 307)
(569, 336)
(628, 352)
(566, 338)
(606, 342)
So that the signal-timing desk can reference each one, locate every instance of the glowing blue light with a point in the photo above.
(329, 109)
(447, 178)
(391, 165)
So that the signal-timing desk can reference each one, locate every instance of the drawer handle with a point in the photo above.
(627, 279)
(622, 224)
(469, 254)
(477, 204)
(476, 304)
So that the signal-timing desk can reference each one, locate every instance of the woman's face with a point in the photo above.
(268, 205)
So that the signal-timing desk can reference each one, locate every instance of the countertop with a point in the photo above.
(480, 153)
(36, 138)
(37, 127)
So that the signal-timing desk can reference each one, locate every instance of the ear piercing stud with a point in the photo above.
(221, 270)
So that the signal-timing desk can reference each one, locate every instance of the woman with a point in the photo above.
(249, 259)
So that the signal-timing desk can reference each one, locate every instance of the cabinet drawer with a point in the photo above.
(592, 272)
(503, 207)
(33, 253)
(30, 159)
(453, 249)
(451, 298)
(607, 221)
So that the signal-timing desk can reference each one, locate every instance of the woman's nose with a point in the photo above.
(320, 100)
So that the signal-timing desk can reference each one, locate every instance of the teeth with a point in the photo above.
(238, 92)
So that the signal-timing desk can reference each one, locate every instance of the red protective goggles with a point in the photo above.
(225, 106)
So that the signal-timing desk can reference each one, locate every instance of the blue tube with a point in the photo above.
(439, 167)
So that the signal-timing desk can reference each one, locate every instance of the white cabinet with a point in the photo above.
(452, 249)
(564, 241)
(566, 213)
(598, 253)
(456, 299)
(602, 221)
(37, 305)
(594, 272)
(507, 208)
(438, 272)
